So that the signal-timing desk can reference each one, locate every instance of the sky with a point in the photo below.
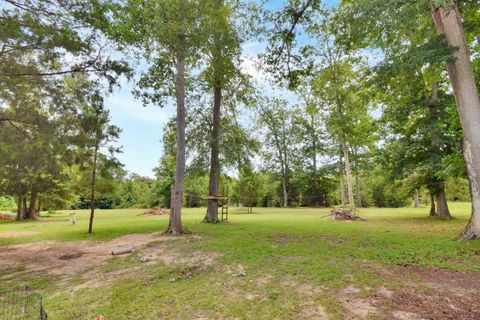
(142, 127)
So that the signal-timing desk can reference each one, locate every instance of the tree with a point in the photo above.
(34, 151)
(168, 33)
(278, 121)
(448, 23)
(310, 133)
(165, 172)
(249, 187)
(222, 49)
(41, 38)
(378, 24)
(347, 117)
(97, 134)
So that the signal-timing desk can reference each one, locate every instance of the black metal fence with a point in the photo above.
(21, 304)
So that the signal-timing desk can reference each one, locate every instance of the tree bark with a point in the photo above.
(342, 185)
(212, 207)
(19, 207)
(448, 22)
(314, 162)
(24, 206)
(440, 197)
(442, 207)
(285, 175)
(175, 223)
(348, 173)
(39, 204)
(357, 178)
(285, 191)
(433, 212)
(92, 189)
(471, 231)
(32, 208)
(417, 199)
(357, 184)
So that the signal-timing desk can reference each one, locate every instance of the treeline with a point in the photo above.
(382, 106)
(55, 136)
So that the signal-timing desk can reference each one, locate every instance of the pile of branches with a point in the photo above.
(5, 217)
(340, 214)
(155, 211)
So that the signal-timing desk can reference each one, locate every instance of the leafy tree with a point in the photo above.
(377, 24)
(310, 135)
(34, 152)
(249, 187)
(168, 33)
(96, 134)
(279, 138)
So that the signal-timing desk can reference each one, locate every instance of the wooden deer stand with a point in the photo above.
(222, 201)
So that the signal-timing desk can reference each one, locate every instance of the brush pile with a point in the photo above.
(340, 214)
(6, 217)
(155, 211)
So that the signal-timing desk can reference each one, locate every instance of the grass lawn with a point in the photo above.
(272, 264)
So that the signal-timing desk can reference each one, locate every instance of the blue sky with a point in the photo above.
(142, 127)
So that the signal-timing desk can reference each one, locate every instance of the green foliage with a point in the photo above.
(7, 203)
(249, 187)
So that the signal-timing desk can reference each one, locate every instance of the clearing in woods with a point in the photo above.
(271, 264)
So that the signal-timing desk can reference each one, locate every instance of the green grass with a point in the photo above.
(288, 247)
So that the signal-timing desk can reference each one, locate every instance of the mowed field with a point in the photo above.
(274, 263)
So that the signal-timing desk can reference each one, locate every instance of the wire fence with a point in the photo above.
(21, 304)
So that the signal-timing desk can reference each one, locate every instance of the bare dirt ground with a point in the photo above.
(423, 293)
(74, 258)
(13, 234)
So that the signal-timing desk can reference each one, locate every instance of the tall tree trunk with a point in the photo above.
(19, 207)
(471, 231)
(348, 173)
(342, 185)
(212, 207)
(433, 212)
(448, 22)
(417, 199)
(357, 178)
(92, 189)
(24, 206)
(285, 191)
(314, 162)
(442, 207)
(440, 197)
(286, 171)
(32, 208)
(357, 184)
(175, 223)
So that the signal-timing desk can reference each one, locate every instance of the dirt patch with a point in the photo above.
(285, 238)
(6, 217)
(333, 239)
(354, 305)
(436, 305)
(70, 256)
(14, 234)
(263, 280)
(46, 256)
(311, 310)
(441, 294)
(461, 282)
(309, 290)
(190, 271)
(424, 293)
